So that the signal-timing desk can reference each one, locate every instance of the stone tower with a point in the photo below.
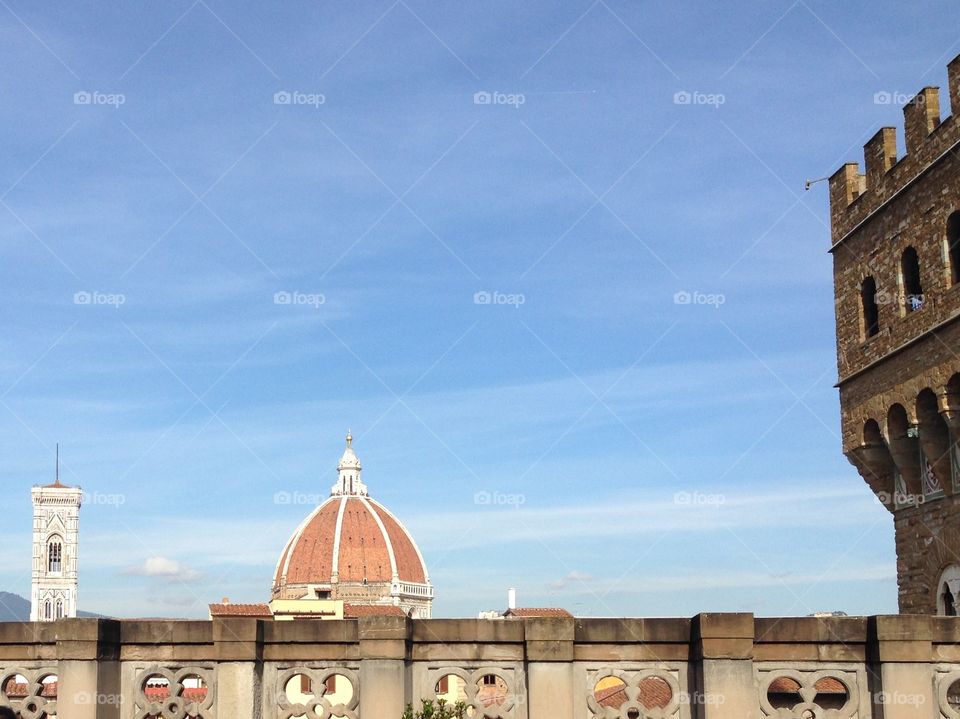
(896, 260)
(56, 524)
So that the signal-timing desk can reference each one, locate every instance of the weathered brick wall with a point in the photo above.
(894, 204)
(927, 537)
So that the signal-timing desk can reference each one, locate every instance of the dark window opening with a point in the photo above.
(949, 605)
(868, 307)
(910, 274)
(55, 557)
(953, 246)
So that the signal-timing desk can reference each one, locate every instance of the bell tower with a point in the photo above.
(56, 525)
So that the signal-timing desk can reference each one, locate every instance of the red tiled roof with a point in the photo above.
(352, 611)
(655, 693)
(364, 549)
(786, 685)
(19, 690)
(537, 612)
(240, 610)
(160, 692)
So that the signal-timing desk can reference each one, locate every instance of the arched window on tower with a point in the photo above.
(953, 246)
(47, 610)
(910, 280)
(55, 555)
(60, 612)
(869, 312)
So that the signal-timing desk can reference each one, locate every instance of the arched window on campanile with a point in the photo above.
(55, 555)
(869, 312)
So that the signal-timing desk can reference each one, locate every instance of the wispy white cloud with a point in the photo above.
(572, 577)
(684, 513)
(164, 568)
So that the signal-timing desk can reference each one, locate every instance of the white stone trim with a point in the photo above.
(386, 537)
(335, 566)
(423, 564)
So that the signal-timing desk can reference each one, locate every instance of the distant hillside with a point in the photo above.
(14, 608)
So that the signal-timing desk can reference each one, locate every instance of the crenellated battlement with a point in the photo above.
(856, 195)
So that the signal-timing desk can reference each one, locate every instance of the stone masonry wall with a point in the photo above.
(899, 399)
(713, 666)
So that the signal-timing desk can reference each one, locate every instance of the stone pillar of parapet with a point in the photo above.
(550, 678)
(725, 683)
(901, 651)
(238, 647)
(88, 669)
(383, 657)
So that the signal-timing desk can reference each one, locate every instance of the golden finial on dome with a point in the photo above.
(349, 438)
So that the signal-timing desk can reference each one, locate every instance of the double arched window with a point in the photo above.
(55, 555)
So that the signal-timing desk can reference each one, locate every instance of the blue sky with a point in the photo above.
(647, 457)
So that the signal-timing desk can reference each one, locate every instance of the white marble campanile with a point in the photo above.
(56, 526)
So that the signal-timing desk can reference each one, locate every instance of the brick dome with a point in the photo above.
(350, 539)
(353, 548)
